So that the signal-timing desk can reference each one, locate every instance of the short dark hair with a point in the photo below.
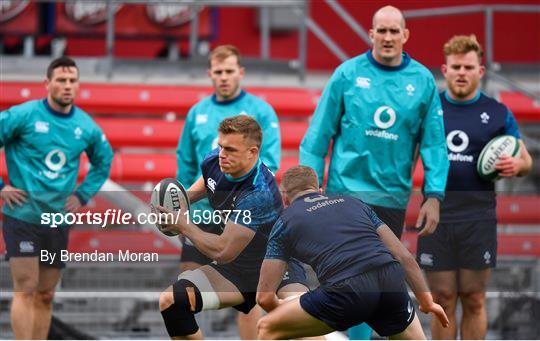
(242, 124)
(299, 178)
(60, 62)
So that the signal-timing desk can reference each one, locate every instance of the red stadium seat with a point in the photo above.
(145, 167)
(523, 107)
(154, 133)
(519, 245)
(292, 133)
(157, 133)
(522, 209)
(114, 98)
(129, 99)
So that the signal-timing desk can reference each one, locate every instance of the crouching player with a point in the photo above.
(358, 260)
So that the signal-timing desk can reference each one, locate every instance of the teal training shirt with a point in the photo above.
(200, 133)
(43, 148)
(376, 115)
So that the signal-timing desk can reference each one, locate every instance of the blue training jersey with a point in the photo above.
(469, 126)
(376, 115)
(253, 201)
(336, 235)
(43, 149)
(199, 136)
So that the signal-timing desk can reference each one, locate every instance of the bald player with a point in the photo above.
(380, 109)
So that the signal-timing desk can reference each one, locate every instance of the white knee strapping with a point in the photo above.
(209, 297)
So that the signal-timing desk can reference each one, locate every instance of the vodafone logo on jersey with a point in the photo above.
(55, 161)
(390, 120)
(384, 118)
(457, 142)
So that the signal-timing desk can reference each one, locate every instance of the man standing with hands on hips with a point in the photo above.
(43, 141)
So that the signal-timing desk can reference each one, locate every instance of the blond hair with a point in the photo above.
(299, 178)
(463, 45)
(223, 52)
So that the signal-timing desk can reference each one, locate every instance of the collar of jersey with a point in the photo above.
(307, 195)
(405, 60)
(471, 101)
(236, 99)
(244, 177)
(57, 113)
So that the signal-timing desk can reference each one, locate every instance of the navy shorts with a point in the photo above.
(23, 239)
(462, 245)
(246, 281)
(296, 274)
(394, 218)
(378, 297)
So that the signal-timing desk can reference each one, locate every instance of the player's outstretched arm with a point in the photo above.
(515, 166)
(272, 271)
(414, 276)
(197, 191)
(223, 248)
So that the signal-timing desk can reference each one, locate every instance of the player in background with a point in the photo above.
(243, 190)
(199, 137)
(377, 108)
(43, 141)
(459, 256)
(356, 258)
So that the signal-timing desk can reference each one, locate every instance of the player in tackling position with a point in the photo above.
(357, 260)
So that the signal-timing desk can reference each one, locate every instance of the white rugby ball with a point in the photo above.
(497, 147)
(169, 193)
